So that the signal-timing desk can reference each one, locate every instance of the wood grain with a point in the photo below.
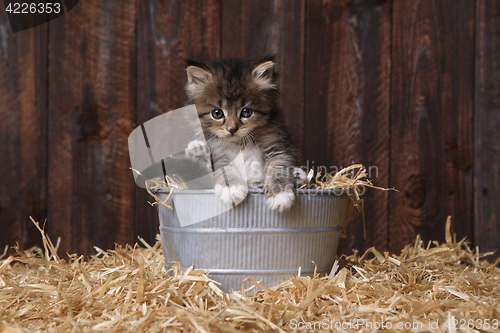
(487, 128)
(248, 28)
(91, 113)
(348, 100)
(409, 88)
(169, 33)
(290, 54)
(23, 143)
(431, 119)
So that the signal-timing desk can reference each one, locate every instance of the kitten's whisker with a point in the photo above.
(251, 138)
(247, 140)
(244, 142)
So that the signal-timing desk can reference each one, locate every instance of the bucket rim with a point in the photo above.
(337, 192)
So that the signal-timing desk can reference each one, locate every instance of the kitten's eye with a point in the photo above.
(217, 114)
(246, 113)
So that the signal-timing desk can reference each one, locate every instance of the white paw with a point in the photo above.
(300, 176)
(198, 150)
(231, 194)
(281, 201)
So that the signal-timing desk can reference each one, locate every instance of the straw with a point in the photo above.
(424, 288)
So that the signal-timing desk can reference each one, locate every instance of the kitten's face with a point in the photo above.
(234, 98)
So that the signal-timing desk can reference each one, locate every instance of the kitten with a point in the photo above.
(237, 103)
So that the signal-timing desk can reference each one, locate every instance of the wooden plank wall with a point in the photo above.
(432, 100)
(347, 102)
(23, 133)
(408, 88)
(487, 126)
(91, 111)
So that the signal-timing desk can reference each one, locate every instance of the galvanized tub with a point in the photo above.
(252, 241)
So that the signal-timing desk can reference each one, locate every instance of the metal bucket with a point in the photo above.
(252, 241)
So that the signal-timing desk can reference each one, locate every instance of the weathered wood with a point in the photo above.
(91, 113)
(23, 143)
(248, 28)
(431, 119)
(290, 54)
(347, 102)
(487, 128)
(345, 69)
(169, 33)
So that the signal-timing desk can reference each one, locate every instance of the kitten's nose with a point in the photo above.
(232, 129)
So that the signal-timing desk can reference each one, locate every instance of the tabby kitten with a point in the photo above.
(237, 102)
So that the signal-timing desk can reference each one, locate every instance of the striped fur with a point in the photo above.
(232, 85)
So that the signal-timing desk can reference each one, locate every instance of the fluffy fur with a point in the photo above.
(237, 102)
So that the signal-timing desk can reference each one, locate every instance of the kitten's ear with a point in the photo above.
(264, 73)
(197, 77)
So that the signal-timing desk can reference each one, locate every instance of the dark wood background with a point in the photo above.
(409, 87)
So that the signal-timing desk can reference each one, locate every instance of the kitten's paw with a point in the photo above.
(282, 201)
(299, 177)
(231, 194)
(198, 150)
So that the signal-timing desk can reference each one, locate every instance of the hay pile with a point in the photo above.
(425, 288)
